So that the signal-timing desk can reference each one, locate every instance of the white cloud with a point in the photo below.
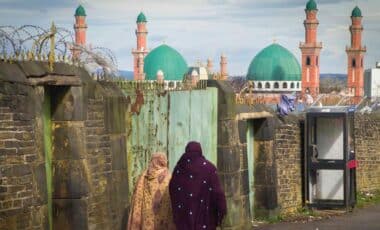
(204, 28)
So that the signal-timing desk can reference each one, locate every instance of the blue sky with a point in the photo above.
(200, 29)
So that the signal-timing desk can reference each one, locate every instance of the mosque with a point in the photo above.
(273, 71)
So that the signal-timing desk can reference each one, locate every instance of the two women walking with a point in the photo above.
(193, 200)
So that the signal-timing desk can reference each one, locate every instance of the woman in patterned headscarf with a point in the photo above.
(150, 209)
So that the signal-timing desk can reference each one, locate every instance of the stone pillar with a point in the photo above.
(70, 177)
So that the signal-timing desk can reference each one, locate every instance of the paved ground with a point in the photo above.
(360, 219)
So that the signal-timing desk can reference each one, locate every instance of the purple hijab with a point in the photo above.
(198, 201)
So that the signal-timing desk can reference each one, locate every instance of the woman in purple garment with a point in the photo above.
(197, 199)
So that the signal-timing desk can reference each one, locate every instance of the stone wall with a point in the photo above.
(232, 159)
(23, 194)
(61, 145)
(265, 202)
(288, 157)
(277, 166)
(367, 151)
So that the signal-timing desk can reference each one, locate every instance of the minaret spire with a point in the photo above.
(141, 47)
(355, 55)
(310, 50)
(223, 67)
(80, 28)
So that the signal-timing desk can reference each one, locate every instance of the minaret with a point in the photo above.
(209, 66)
(223, 67)
(355, 54)
(80, 28)
(141, 50)
(310, 50)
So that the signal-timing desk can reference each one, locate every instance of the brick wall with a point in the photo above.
(23, 203)
(288, 152)
(88, 150)
(367, 139)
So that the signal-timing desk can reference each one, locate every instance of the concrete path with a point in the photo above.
(360, 219)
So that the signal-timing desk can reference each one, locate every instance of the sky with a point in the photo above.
(201, 29)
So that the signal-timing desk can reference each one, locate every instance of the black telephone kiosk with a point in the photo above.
(329, 162)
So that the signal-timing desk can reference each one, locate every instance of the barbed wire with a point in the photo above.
(31, 42)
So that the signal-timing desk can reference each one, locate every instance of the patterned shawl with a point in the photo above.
(150, 208)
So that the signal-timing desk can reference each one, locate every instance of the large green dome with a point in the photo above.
(80, 11)
(311, 5)
(141, 18)
(356, 12)
(166, 59)
(274, 63)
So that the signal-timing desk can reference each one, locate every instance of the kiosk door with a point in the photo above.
(326, 161)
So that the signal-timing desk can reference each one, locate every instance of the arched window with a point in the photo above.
(316, 60)
(171, 84)
(362, 62)
(260, 86)
(284, 85)
(353, 63)
(267, 85)
(292, 85)
(298, 85)
(276, 85)
(308, 61)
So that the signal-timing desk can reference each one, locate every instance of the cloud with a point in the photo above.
(205, 28)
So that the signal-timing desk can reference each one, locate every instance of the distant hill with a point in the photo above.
(128, 75)
(338, 76)
(332, 82)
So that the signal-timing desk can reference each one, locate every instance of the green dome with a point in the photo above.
(166, 59)
(311, 5)
(274, 63)
(356, 12)
(80, 11)
(141, 18)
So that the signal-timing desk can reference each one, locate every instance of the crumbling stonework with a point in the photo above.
(23, 195)
(73, 124)
(232, 159)
(367, 151)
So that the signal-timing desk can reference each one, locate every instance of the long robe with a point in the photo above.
(151, 209)
(198, 201)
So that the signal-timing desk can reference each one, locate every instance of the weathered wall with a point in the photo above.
(288, 157)
(265, 202)
(367, 151)
(233, 163)
(23, 193)
(61, 145)
(277, 166)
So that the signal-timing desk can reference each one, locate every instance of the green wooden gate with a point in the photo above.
(165, 122)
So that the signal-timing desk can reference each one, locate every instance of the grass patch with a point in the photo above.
(367, 198)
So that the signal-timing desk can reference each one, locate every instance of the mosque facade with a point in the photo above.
(273, 71)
